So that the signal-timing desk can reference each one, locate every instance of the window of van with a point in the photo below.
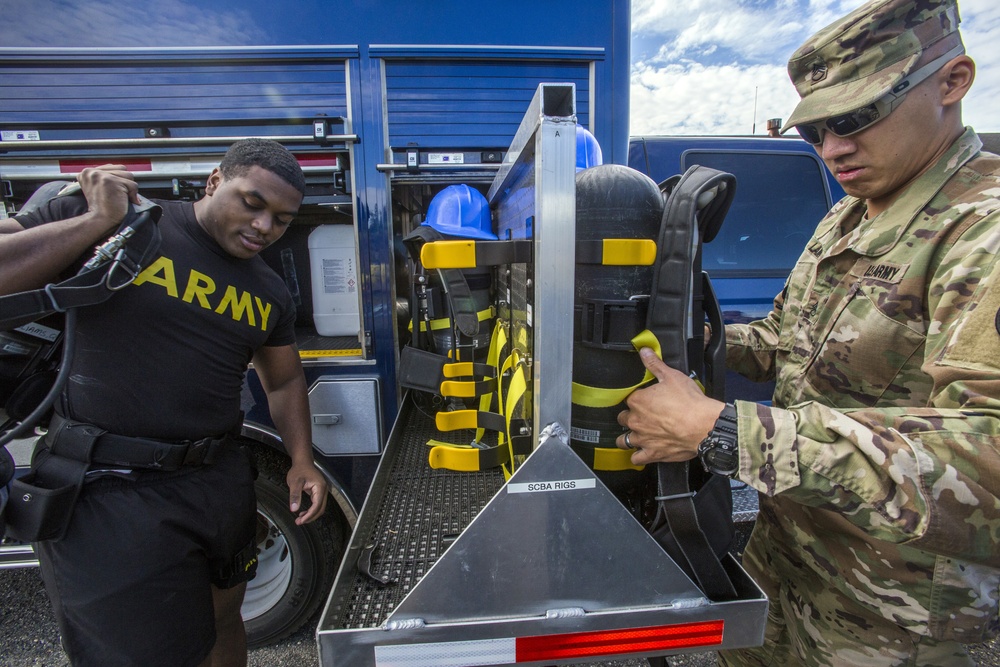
(780, 197)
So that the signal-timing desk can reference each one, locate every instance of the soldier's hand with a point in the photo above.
(669, 419)
(306, 478)
(108, 189)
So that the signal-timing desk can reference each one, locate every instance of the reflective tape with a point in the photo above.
(448, 654)
(574, 645)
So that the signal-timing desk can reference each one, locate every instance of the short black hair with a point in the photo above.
(264, 153)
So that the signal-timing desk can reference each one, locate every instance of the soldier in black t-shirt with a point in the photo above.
(132, 581)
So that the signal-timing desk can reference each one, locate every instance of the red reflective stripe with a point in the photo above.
(616, 642)
(317, 160)
(76, 166)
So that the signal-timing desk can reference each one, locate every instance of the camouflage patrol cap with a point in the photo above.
(857, 59)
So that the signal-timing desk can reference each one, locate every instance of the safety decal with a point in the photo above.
(20, 135)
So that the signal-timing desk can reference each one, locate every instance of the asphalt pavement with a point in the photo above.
(29, 637)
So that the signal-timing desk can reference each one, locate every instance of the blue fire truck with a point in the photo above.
(384, 104)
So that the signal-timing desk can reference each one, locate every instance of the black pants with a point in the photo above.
(130, 583)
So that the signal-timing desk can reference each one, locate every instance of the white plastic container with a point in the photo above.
(333, 262)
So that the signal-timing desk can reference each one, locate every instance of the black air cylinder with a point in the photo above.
(612, 202)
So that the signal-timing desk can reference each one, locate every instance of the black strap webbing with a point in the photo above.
(116, 264)
(460, 302)
(695, 206)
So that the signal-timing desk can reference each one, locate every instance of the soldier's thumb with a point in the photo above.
(654, 364)
(295, 497)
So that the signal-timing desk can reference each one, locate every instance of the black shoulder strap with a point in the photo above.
(695, 206)
(460, 303)
(114, 265)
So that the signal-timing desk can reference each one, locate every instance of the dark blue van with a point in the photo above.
(783, 190)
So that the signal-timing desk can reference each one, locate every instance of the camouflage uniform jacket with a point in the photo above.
(879, 463)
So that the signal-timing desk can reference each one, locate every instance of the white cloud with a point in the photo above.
(698, 65)
(704, 25)
(691, 98)
(980, 27)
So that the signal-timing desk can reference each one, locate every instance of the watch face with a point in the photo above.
(719, 452)
(720, 456)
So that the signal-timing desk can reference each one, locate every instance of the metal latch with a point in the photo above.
(327, 420)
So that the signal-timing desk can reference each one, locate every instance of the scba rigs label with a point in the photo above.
(554, 485)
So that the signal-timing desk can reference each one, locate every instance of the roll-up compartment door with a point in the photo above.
(475, 103)
(130, 86)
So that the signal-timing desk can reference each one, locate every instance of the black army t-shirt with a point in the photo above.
(166, 357)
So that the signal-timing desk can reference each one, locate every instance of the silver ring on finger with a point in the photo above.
(628, 442)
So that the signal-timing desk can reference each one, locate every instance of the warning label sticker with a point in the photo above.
(19, 135)
(445, 158)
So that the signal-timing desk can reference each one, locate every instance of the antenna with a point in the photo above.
(753, 129)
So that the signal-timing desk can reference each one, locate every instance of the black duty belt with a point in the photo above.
(42, 501)
(110, 449)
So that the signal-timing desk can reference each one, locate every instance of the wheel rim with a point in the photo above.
(274, 570)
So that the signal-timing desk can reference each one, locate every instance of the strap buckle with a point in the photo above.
(599, 322)
(203, 451)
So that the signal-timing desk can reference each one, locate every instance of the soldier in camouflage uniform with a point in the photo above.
(878, 464)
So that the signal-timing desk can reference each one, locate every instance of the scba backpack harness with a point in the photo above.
(627, 300)
(41, 502)
(694, 512)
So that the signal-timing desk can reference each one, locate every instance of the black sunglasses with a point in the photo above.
(852, 122)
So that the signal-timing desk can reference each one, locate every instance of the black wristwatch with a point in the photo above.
(720, 451)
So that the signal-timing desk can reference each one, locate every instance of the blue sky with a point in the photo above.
(698, 65)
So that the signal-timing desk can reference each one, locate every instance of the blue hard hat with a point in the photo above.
(459, 210)
(588, 151)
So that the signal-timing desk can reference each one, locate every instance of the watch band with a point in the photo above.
(719, 451)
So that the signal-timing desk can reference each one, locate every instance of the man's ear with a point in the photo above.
(957, 77)
(213, 182)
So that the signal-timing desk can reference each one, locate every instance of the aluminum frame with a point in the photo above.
(547, 135)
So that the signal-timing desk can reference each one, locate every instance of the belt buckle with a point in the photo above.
(203, 451)
(196, 452)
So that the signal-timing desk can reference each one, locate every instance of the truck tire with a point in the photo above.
(296, 564)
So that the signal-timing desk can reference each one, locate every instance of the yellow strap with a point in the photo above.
(522, 337)
(448, 255)
(458, 369)
(461, 389)
(599, 397)
(469, 459)
(498, 341)
(445, 323)
(518, 385)
(628, 252)
(455, 420)
(441, 443)
(462, 459)
(606, 458)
